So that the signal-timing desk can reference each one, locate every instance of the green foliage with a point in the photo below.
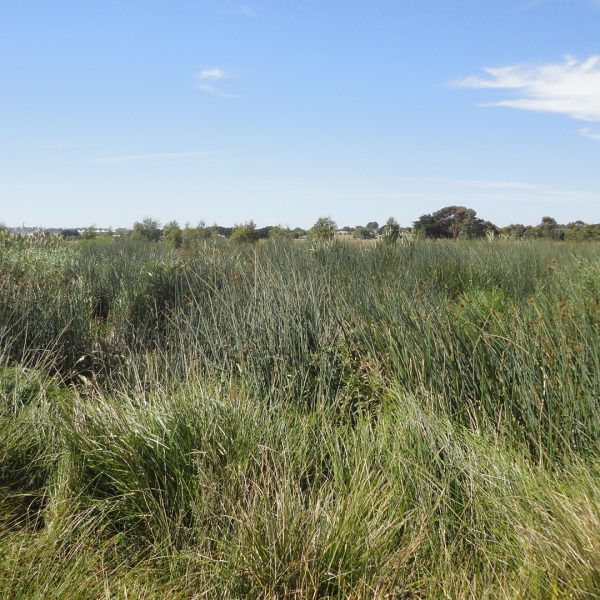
(549, 229)
(281, 233)
(295, 420)
(582, 232)
(472, 228)
(172, 234)
(363, 233)
(391, 231)
(244, 234)
(89, 233)
(148, 230)
(192, 236)
(69, 234)
(324, 229)
(450, 222)
(299, 232)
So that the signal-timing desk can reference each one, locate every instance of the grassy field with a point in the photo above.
(289, 420)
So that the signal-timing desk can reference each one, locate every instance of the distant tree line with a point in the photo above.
(454, 222)
(450, 222)
(176, 236)
(550, 229)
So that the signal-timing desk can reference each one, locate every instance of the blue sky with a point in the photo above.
(283, 111)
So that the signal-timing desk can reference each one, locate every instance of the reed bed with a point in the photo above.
(298, 420)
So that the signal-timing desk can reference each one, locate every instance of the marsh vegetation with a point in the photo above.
(299, 419)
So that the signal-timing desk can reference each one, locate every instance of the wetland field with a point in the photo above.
(292, 419)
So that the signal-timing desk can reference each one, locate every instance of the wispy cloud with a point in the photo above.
(211, 89)
(207, 79)
(431, 194)
(571, 87)
(157, 157)
(589, 133)
(214, 74)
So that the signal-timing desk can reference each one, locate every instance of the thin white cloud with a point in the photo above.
(454, 192)
(571, 87)
(213, 74)
(590, 133)
(207, 79)
(208, 88)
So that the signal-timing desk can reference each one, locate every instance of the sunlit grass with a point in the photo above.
(295, 421)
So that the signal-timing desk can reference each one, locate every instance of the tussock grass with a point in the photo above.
(288, 421)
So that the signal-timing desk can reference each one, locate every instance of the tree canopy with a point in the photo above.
(391, 231)
(172, 234)
(323, 229)
(448, 223)
(148, 230)
(244, 234)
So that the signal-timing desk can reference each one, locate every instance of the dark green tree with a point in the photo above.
(363, 233)
(549, 228)
(444, 223)
(426, 226)
(148, 230)
(69, 234)
(194, 235)
(471, 229)
(324, 229)
(298, 232)
(515, 230)
(244, 234)
(581, 231)
(391, 231)
(280, 233)
(89, 233)
(172, 234)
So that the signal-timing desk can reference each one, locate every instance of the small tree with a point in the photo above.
(244, 234)
(444, 223)
(280, 233)
(324, 229)
(298, 233)
(363, 233)
(172, 234)
(549, 228)
(89, 233)
(514, 230)
(148, 230)
(69, 234)
(193, 235)
(391, 231)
